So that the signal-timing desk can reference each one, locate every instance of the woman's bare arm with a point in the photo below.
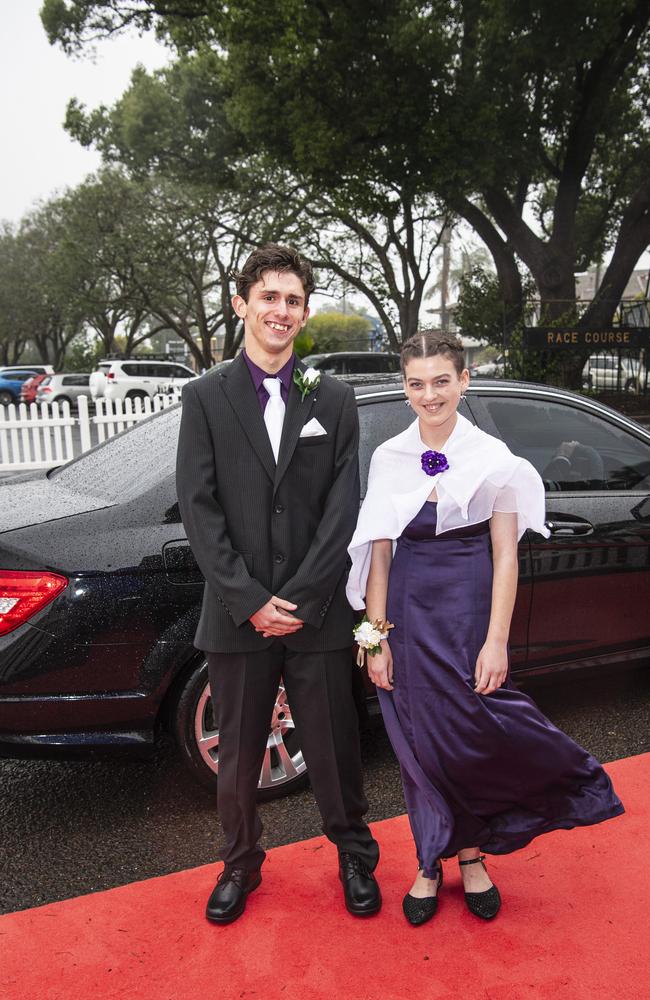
(492, 662)
(380, 666)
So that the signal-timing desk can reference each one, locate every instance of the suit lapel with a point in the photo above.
(296, 416)
(239, 388)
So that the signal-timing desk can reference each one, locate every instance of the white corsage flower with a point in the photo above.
(306, 381)
(368, 636)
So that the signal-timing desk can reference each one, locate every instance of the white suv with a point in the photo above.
(604, 371)
(136, 379)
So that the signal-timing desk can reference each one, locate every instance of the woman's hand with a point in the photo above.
(491, 667)
(380, 667)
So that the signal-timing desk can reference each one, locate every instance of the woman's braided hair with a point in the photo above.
(429, 343)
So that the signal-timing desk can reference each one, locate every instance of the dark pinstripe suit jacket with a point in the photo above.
(256, 529)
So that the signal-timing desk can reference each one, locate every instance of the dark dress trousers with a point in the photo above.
(258, 530)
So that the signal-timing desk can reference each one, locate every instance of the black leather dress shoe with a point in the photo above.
(362, 895)
(228, 898)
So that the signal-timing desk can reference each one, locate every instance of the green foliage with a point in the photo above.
(480, 310)
(303, 344)
(481, 314)
(334, 331)
(83, 353)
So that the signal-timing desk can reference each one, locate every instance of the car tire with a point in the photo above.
(136, 394)
(63, 399)
(6, 399)
(284, 769)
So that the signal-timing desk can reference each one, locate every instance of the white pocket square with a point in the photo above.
(312, 429)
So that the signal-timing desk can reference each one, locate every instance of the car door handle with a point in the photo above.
(569, 527)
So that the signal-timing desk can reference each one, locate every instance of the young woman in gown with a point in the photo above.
(435, 554)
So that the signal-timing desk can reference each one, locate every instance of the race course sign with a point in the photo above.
(545, 337)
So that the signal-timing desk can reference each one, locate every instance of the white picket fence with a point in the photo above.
(40, 436)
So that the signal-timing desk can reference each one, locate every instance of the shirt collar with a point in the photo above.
(258, 374)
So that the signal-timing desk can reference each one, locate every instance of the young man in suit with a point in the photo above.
(268, 485)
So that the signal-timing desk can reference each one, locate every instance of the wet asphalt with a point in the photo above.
(74, 827)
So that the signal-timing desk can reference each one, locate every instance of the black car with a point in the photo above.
(346, 363)
(100, 594)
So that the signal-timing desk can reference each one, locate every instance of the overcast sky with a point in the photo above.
(37, 81)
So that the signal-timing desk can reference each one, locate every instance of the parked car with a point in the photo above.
(37, 369)
(609, 371)
(100, 594)
(175, 388)
(29, 388)
(11, 383)
(353, 363)
(489, 369)
(136, 378)
(63, 388)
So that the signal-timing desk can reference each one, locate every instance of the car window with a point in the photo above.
(382, 419)
(115, 470)
(46, 380)
(368, 364)
(138, 370)
(178, 372)
(75, 380)
(571, 448)
(357, 366)
(330, 366)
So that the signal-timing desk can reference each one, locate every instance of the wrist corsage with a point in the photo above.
(368, 636)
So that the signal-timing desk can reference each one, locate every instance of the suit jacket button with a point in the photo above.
(278, 509)
(278, 557)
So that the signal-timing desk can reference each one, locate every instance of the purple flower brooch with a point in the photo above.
(434, 462)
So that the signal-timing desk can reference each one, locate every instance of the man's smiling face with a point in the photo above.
(274, 314)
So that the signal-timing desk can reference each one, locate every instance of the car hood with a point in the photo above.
(35, 501)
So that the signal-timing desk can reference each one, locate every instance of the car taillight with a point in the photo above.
(45, 388)
(22, 594)
(111, 375)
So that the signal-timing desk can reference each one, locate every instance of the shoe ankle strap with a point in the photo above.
(473, 861)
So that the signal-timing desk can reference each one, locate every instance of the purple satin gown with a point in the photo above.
(487, 771)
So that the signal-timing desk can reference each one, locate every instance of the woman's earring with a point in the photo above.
(463, 397)
(407, 402)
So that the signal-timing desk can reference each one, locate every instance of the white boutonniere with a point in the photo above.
(368, 636)
(306, 381)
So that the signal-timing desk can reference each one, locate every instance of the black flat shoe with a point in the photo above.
(486, 904)
(418, 910)
(360, 889)
(228, 898)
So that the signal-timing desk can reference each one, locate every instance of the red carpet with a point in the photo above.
(574, 925)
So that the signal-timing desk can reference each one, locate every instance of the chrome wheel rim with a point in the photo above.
(283, 759)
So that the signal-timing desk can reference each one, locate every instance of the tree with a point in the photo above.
(531, 121)
(46, 284)
(14, 328)
(102, 217)
(335, 331)
(381, 245)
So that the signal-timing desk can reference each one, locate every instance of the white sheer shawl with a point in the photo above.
(483, 476)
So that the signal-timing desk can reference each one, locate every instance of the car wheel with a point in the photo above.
(136, 394)
(6, 398)
(283, 769)
(62, 399)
